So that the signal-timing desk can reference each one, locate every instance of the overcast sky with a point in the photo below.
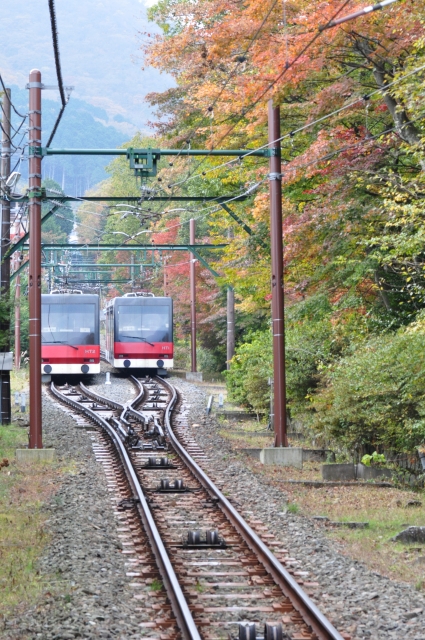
(99, 43)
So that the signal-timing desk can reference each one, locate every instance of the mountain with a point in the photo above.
(99, 45)
(82, 126)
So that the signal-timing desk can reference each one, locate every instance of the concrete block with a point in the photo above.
(338, 472)
(318, 455)
(239, 416)
(253, 453)
(370, 473)
(194, 376)
(35, 455)
(283, 456)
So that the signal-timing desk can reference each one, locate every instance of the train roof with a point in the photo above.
(82, 298)
(140, 300)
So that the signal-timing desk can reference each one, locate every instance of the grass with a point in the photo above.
(292, 508)
(22, 533)
(385, 509)
(155, 585)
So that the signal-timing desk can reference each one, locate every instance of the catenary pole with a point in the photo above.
(34, 277)
(17, 316)
(230, 318)
(192, 228)
(278, 320)
(5, 405)
(230, 324)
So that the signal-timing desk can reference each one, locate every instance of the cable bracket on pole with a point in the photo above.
(273, 152)
(36, 193)
(275, 176)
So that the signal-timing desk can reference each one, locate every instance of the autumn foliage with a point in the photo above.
(352, 119)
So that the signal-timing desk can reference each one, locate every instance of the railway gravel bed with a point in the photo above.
(87, 590)
(364, 603)
(88, 594)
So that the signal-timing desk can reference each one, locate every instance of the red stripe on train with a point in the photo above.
(77, 354)
(142, 349)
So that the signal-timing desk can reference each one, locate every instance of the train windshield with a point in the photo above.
(143, 323)
(73, 324)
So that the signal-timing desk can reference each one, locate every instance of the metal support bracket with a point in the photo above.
(144, 161)
(37, 193)
(272, 153)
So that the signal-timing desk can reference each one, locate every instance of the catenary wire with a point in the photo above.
(287, 67)
(291, 134)
(11, 103)
(55, 41)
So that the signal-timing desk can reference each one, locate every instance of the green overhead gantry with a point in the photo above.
(144, 162)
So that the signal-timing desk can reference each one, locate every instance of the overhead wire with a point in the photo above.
(56, 53)
(11, 103)
(288, 65)
(306, 164)
(308, 125)
(227, 80)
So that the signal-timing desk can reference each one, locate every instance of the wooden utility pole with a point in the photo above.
(192, 229)
(34, 276)
(278, 312)
(5, 404)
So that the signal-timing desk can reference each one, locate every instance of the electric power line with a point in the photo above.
(11, 104)
(291, 134)
(58, 69)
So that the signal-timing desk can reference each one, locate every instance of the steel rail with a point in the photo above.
(118, 406)
(299, 599)
(178, 601)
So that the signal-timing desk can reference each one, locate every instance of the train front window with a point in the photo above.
(72, 324)
(147, 324)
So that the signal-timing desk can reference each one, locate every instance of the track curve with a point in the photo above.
(218, 538)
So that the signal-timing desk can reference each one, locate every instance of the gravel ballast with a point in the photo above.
(356, 600)
(87, 590)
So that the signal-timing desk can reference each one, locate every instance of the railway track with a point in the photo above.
(198, 569)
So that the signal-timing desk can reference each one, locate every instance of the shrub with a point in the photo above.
(250, 369)
(376, 397)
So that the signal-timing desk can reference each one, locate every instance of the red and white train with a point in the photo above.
(70, 340)
(139, 332)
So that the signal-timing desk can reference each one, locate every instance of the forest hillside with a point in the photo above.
(352, 120)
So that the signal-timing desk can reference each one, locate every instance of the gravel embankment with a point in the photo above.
(84, 568)
(83, 565)
(358, 601)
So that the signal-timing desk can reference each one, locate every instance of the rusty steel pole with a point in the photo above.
(230, 340)
(278, 318)
(192, 228)
(17, 318)
(34, 276)
(5, 403)
(230, 325)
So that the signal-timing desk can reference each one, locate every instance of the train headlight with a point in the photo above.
(47, 368)
(85, 368)
(127, 363)
(160, 363)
